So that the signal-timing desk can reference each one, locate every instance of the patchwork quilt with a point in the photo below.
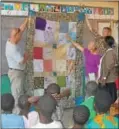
(53, 55)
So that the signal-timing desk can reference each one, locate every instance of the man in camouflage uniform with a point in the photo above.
(100, 40)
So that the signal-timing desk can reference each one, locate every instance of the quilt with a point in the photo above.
(53, 55)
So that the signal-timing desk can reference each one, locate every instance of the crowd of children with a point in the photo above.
(48, 113)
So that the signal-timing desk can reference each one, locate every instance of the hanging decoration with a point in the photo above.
(14, 9)
(25, 9)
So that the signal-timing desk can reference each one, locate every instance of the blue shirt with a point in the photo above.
(12, 121)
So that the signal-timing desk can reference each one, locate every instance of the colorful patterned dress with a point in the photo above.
(103, 121)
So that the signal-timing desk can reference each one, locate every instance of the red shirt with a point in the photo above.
(117, 83)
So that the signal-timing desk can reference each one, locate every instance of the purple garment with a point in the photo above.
(40, 23)
(91, 62)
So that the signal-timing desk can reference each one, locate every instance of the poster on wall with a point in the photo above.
(34, 7)
(15, 9)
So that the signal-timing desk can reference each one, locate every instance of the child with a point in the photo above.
(47, 105)
(30, 118)
(91, 89)
(9, 120)
(54, 90)
(80, 116)
(103, 119)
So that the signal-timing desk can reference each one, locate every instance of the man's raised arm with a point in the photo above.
(93, 31)
(23, 25)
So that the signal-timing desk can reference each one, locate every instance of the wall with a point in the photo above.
(92, 4)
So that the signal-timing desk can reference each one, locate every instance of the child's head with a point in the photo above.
(23, 102)
(91, 88)
(92, 46)
(53, 89)
(110, 42)
(7, 102)
(102, 101)
(81, 115)
(47, 105)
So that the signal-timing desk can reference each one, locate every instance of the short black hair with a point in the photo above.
(110, 41)
(102, 101)
(53, 88)
(107, 28)
(47, 105)
(81, 115)
(7, 102)
(23, 101)
(91, 88)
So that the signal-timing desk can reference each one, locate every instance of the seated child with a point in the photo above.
(80, 116)
(30, 118)
(103, 119)
(47, 105)
(8, 119)
(54, 90)
(91, 89)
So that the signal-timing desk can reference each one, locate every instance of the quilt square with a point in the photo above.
(40, 23)
(47, 53)
(47, 65)
(62, 73)
(72, 26)
(49, 80)
(38, 53)
(49, 36)
(64, 27)
(47, 74)
(73, 35)
(39, 36)
(62, 39)
(50, 31)
(38, 74)
(61, 81)
(60, 52)
(60, 65)
(39, 92)
(39, 82)
(50, 26)
(38, 65)
(71, 53)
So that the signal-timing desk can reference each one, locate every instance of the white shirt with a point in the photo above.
(54, 124)
(14, 56)
(32, 120)
(99, 69)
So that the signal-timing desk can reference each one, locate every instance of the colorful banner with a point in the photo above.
(15, 9)
(25, 9)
